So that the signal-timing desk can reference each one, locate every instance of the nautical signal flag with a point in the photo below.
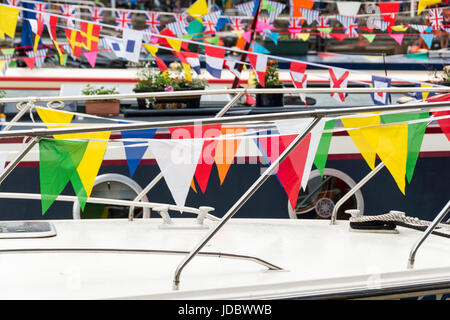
(75, 40)
(338, 79)
(214, 60)
(299, 77)
(37, 27)
(90, 34)
(116, 45)
(192, 59)
(380, 98)
(259, 64)
(132, 41)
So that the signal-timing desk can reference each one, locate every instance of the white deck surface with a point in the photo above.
(317, 258)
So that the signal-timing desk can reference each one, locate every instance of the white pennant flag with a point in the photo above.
(316, 134)
(348, 8)
(177, 159)
(2, 162)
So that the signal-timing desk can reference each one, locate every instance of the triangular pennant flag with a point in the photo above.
(151, 49)
(8, 20)
(91, 57)
(161, 64)
(303, 36)
(206, 161)
(30, 62)
(320, 159)
(399, 28)
(195, 28)
(348, 8)
(369, 37)
(177, 160)
(338, 36)
(198, 9)
(192, 59)
(273, 36)
(64, 59)
(425, 3)
(398, 37)
(54, 116)
(366, 150)
(63, 156)
(428, 38)
(226, 150)
(391, 145)
(259, 64)
(389, 11)
(257, 48)
(134, 153)
(299, 77)
(443, 123)
(416, 132)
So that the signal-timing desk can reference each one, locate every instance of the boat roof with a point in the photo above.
(317, 258)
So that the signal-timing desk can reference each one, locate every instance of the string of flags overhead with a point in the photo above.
(188, 157)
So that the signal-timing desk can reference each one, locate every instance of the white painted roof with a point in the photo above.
(316, 258)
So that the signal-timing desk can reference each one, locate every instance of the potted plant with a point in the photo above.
(272, 80)
(101, 107)
(153, 80)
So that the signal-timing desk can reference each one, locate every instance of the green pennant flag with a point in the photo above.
(267, 6)
(79, 190)
(64, 59)
(320, 159)
(369, 37)
(325, 30)
(416, 131)
(12, 63)
(214, 40)
(58, 160)
(195, 28)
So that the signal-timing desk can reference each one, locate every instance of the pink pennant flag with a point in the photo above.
(259, 64)
(91, 57)
(247, 35)
(262, 26)
(398, 38)
(30, 61)
(338, 79)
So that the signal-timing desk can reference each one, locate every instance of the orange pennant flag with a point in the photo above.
(226, 150)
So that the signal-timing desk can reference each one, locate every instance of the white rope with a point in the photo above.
(396, 217)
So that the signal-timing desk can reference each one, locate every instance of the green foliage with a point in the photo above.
(272, 75)
(154, 79)
(92, 91)
(2, 93)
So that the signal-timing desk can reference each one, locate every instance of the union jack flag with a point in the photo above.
(210, 27)
(309, 15)
(350, 24)
(278, 8)
(123, 19)
(69, 12)
(152, 21)
(40, 7)
(181, 17)
(295, 23)
(177, 27)
(246, 8)
(213, 16)
(14, 3)
(96, 14)
(436, 18)
(237, 24)
(323, 22)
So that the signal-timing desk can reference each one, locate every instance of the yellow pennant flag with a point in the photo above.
(425, 94)
(175, 44)
(226, 150)
(391, 145)
(8, 20)
(198, 9)
(54, 116)
(400, 28)
(303, 36)
(187, 71)
(358, 137)
(151, 49)
(2, 63)
(425, 3)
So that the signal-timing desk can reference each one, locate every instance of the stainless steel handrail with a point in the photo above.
(257, 260)
(242, 200)
(353, 190)
(428, 231)
(231, 119)
(119, 202)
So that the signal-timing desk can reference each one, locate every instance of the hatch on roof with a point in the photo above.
(26, 229)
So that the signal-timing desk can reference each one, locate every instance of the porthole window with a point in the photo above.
(113, 186)
(322, 194)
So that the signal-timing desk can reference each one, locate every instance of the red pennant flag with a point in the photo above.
(90, 34)
(338, 36)
(160, 63)
(75, 41)
(259, 64)
(290, 171)
(389, 11)
(206, 161)
(297, 72)
(444, 123)
(249, 100)
(30, 61)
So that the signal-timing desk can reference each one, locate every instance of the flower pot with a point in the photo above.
(169, 102)
(103, 108)
(269, 99)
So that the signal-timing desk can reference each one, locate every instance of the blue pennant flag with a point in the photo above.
(223, 19)
(259, 48)
(273, 36)
(428, 38)
(134, 154)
